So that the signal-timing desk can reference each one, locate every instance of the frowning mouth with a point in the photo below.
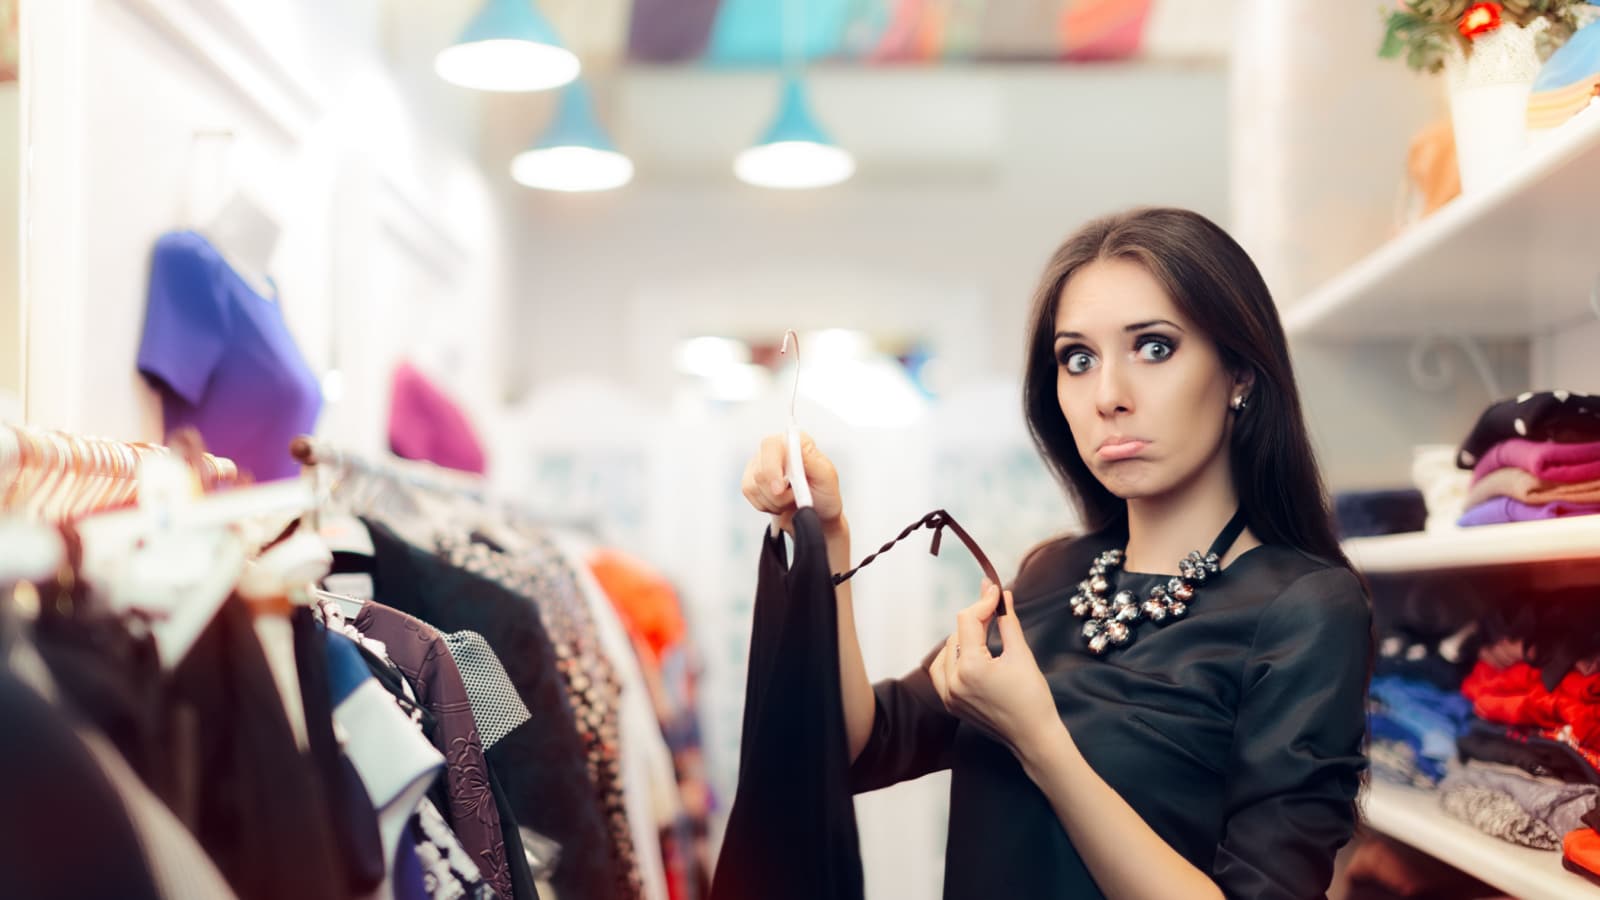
(1118, 447)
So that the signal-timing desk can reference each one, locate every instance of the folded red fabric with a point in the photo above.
(1511, 696)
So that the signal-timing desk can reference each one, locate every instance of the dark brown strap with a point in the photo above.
(938, 520)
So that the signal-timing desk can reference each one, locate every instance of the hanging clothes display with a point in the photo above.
(419, 744)
(224, 359)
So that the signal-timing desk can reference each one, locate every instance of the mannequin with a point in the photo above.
(246, 235)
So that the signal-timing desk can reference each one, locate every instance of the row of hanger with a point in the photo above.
(169, 535)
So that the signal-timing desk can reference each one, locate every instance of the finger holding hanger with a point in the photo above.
(765, 483)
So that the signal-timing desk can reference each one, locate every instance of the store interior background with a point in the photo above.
(559, 321)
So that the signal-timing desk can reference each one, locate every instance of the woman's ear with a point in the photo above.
(1243, 384)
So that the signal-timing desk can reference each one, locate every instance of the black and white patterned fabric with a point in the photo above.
(1560, 416)
(448, 872)
(496, 707)
(539, 572)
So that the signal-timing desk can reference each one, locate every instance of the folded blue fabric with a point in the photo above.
(1421, 716)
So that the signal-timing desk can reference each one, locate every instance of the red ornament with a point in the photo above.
(1480, 18)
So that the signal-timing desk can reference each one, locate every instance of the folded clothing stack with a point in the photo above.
(1413, 727)
(1516, 695)
(1535, 456)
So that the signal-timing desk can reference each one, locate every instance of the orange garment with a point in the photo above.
(1432, 165)
(644, 599)
(1580, 851)
(1528, 488)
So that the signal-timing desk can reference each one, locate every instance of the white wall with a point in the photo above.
(969, 178)
(392, 240)
(1321, 128)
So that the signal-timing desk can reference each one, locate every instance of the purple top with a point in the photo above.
(224, 359)
(1499, 510)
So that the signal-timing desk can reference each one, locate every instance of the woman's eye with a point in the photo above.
(1077, 362)
(1154, 349)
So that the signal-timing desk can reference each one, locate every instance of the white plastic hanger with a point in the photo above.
(802, 488)
(174, 558)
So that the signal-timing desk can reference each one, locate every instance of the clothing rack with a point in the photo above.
(59, 476)
(314, 452)
(324, 460)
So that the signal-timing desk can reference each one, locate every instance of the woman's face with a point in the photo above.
(1144, 392)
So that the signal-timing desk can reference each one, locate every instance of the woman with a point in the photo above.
(1097, 751)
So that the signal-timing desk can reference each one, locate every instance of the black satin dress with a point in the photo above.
(1236, 732)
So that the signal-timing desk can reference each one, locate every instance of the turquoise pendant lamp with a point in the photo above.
(795, 153)
(508, 46)
(574, 154)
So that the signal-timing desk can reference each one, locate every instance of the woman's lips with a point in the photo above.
(1111, 451)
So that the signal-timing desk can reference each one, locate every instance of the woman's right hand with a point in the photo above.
(766, 481)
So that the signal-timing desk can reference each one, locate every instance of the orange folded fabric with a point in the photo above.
(1529, 488)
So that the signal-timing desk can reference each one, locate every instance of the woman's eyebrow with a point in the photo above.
(1136, 326)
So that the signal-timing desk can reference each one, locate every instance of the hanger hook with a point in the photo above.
(794, 392)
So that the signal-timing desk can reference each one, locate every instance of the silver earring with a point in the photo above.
(1238, 403)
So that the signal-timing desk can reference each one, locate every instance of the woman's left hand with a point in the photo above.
(1004, 695)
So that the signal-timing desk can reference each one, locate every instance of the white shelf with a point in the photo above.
(1516, 259)
(1414, 816)
(1550, 540)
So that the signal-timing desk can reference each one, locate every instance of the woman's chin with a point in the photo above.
(1130, 480)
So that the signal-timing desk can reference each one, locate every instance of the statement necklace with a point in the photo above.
(1111, 623)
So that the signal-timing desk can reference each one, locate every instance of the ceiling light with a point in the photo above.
(508, 46)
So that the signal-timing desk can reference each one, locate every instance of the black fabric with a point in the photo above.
(791, 833)
(1234, 732)
(113, 680)
(1544, 416)
(522, 883)
(262, 814)
(1371, 513)
(1496, 743)
(540, 763)
(1427, 625)
(354, 822)
(64, 834)
(1592, 817)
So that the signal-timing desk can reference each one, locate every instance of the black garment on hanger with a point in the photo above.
(262, 815)
(354, 822)
(791, 834)
(64, 834)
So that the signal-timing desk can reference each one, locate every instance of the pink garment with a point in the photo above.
(1564, 463)
(424, 423)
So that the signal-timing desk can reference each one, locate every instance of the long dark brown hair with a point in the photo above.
(1213, 281)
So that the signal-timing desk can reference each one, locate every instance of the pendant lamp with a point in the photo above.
(508, 46)
(795, 152)
(574, 154)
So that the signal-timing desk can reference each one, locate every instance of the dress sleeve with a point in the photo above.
(1297, 747)
(185, 322)
(911, 731)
